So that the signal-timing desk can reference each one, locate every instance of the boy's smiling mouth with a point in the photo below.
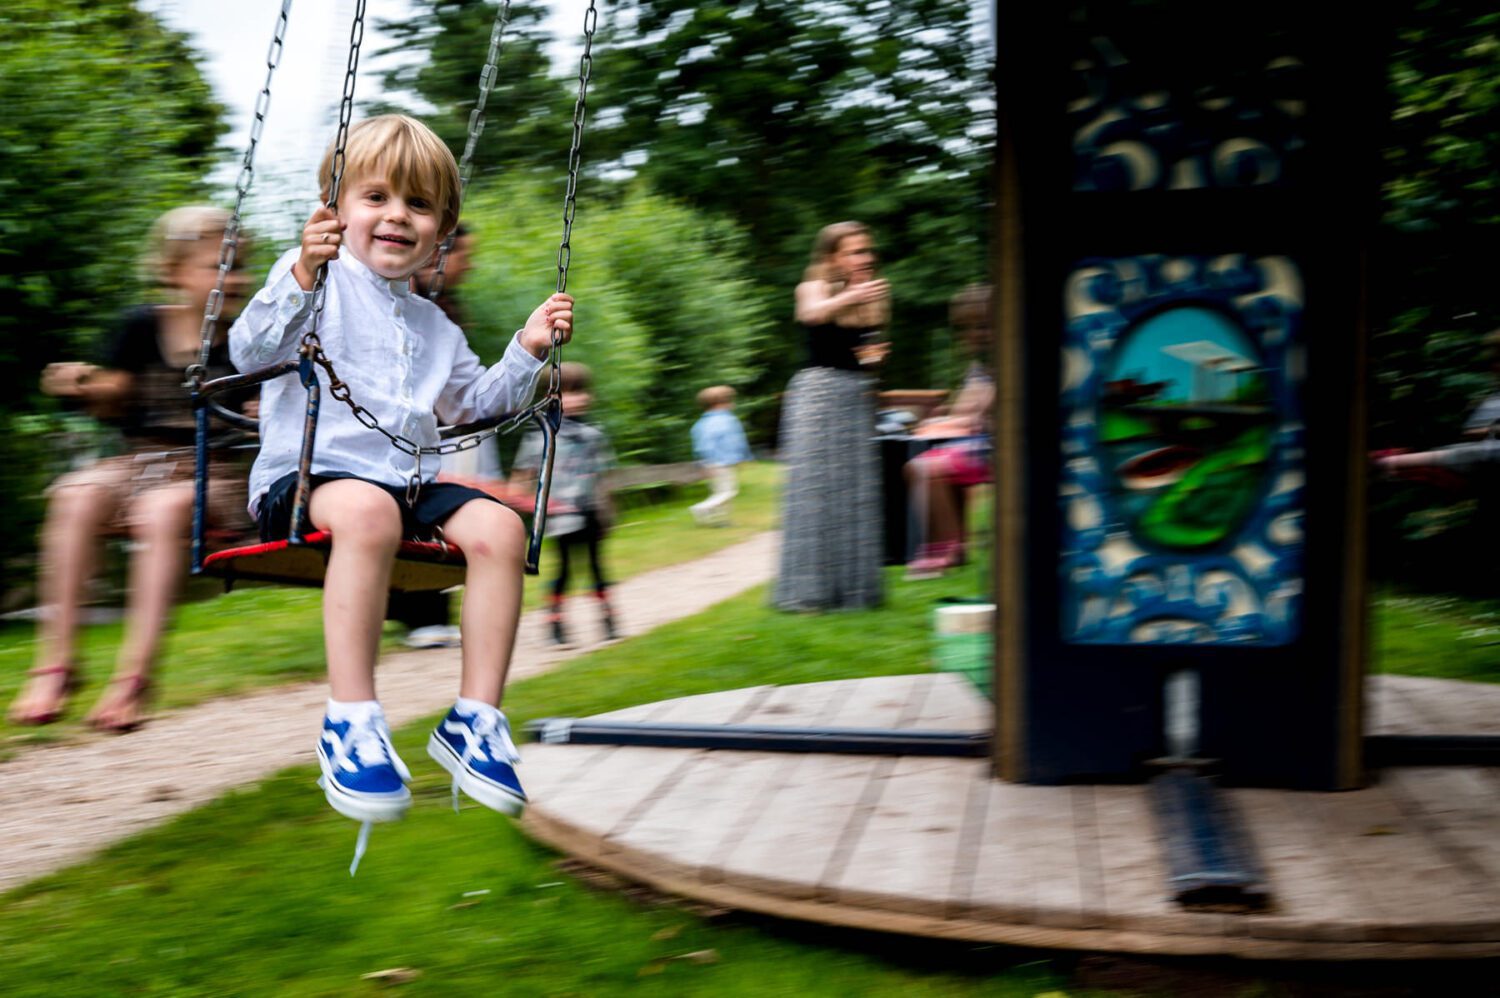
(398, 240)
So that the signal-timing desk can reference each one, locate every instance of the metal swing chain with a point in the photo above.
(570, 206)
(487, 78)
(337, 388)
(212, 309)
(311, 345)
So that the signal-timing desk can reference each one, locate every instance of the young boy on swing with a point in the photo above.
(410, 367)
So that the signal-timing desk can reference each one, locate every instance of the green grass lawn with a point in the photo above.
(1448, 637)
(250, 895)
(260, 636)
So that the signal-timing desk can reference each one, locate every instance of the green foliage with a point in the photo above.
(1445, 82)
(106, 123)
(787, 116)
(528, 117)
(665, 306)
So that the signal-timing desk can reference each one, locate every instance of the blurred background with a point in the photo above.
(717, 145)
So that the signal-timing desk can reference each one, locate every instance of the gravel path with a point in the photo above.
(59, 804)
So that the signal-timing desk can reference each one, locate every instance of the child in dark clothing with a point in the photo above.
(584, 456)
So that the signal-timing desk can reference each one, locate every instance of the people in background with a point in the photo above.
(938, 477)
(831, 512)
(145, 493)
(581, 491)
(719, 444)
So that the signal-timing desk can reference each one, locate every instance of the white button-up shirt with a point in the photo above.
(402, 358)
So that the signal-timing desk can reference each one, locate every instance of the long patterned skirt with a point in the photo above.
(831, 552)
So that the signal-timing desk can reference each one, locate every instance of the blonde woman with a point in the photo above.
(831, 518)
(145, 493)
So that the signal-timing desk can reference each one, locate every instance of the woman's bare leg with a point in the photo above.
(69, 552)
(159, 522)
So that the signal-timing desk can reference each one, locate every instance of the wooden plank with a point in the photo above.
(687, 825)
(1027, 867)
(795, 832)
(1460, 810)
(548, 769)
(953, 704)
(1410, 887)
(1132, 870)
(596, 798)
(1312, 893)
(903, 849)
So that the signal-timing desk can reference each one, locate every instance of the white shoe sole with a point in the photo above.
(362, 807)
(491, 795)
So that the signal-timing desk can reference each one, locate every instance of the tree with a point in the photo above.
(528, 117)
(665, 307)
(787, 115)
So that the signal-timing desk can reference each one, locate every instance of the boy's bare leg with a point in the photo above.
(366, 526)
(70, 543)
(159, 526)
(494, 543)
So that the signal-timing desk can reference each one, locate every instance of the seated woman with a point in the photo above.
(145, 493)
(936, 478)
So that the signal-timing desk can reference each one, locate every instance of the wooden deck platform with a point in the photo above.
(1409, 868)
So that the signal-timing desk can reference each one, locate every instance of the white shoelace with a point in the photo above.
(370, 739)
(486, 732)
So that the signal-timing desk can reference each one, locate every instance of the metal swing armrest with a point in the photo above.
(548, 418)
(204, 407)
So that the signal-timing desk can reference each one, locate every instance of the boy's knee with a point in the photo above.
(365, 516)
(491, 531)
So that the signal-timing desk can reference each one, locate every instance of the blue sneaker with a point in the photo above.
(477, 749)
(363, 777)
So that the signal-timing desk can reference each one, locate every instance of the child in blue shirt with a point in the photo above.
(719, 444)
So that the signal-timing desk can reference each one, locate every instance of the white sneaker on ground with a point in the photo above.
(434, 636)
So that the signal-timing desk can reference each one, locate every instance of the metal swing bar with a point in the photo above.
(546, 413)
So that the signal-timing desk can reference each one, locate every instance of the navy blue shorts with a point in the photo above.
(435, 503)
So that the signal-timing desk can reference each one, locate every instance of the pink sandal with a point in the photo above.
(36, 718)
(932, 560)
(137, 692)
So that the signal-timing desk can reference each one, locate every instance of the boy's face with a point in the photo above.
(392, 232)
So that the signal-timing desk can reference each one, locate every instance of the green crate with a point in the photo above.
(963, 641)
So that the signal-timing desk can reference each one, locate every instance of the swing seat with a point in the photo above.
(421, 566)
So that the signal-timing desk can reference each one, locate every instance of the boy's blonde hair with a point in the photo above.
(715, 396)
(404, 152)
(176, 234)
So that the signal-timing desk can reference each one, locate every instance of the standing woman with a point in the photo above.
(831, 518)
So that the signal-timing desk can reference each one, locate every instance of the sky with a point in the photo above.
(233, 38)
(1144, 357)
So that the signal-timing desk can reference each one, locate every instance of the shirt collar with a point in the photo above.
(400, 288)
